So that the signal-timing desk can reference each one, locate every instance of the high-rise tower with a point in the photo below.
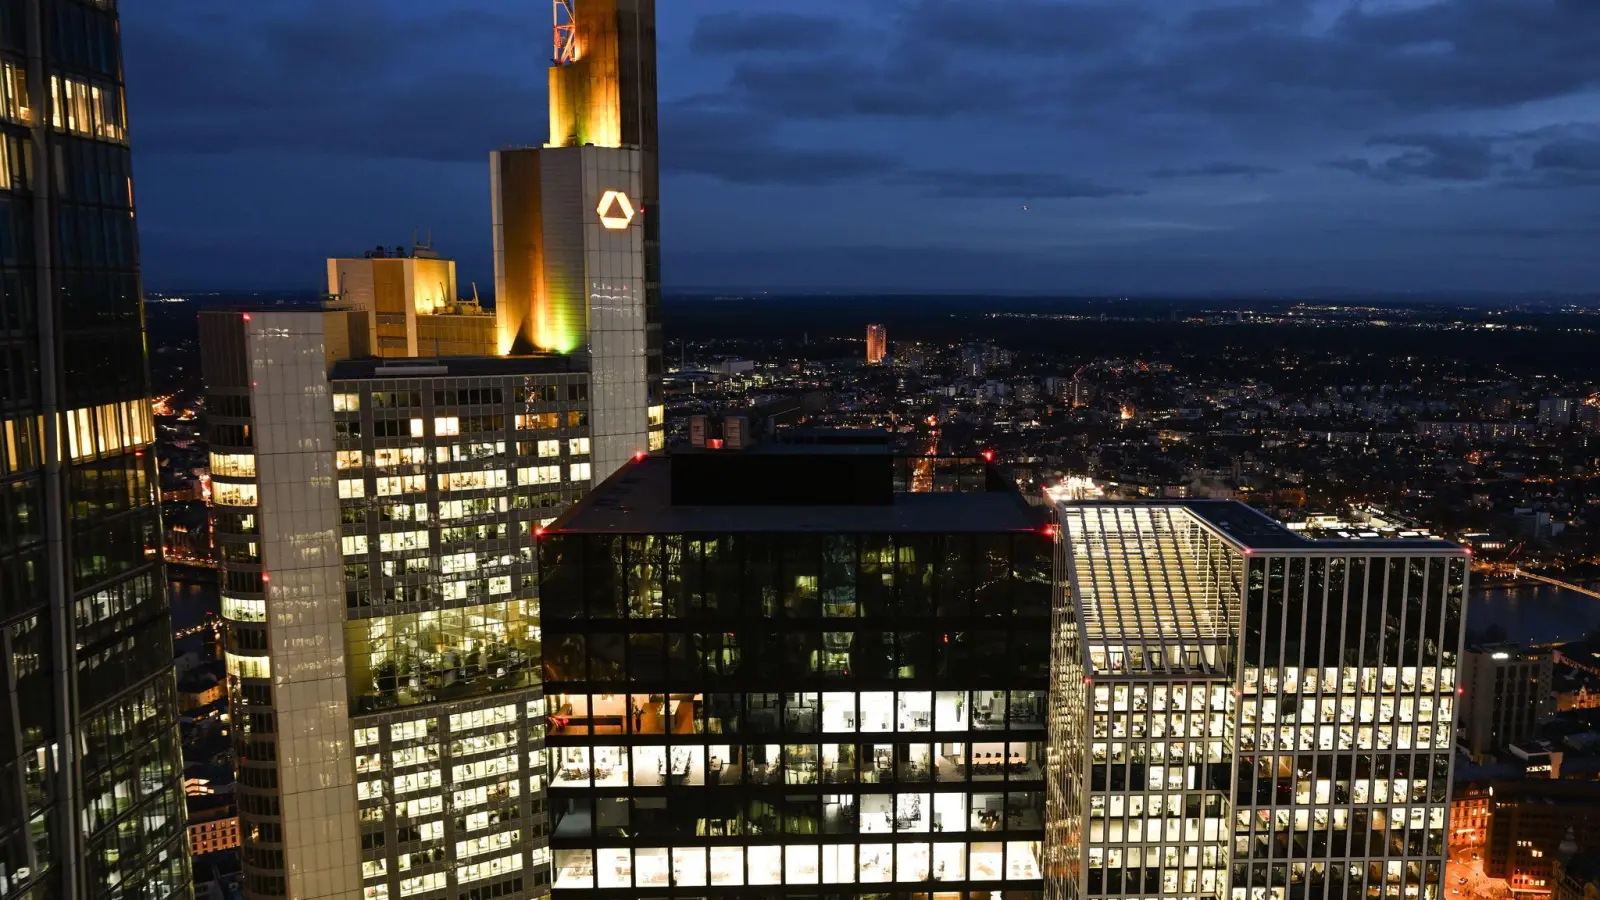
(576, 224)
(92, 798)
(375, 521)
(877, 344)
(1240, 712)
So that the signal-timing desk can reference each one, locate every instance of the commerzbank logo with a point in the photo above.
(615, 209)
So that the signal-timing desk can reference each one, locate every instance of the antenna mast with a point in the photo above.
(566, 32)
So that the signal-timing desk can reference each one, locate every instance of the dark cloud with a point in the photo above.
(962, 183)
(1565, 155)
(759, 32)
(1023, 28)
(1236, 18)
(938, 59)
(749, 151)
(1444, 56)
(1428, 157)
(1066, 60)
(911, 83)
(1572, 153)
(355, 79)
(1445, 157)
(1475, 54)
(1567, 162)
(745, 149)
(1507, 231)
(1215, 170)
(355, 113)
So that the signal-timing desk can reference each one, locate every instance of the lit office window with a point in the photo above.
(226, 494)
(233, 465)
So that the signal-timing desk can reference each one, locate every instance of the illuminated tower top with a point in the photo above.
(602, 74)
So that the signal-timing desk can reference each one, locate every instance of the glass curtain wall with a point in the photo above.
(864, 712)
(92, 803)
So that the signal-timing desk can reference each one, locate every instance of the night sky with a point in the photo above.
(1041, 146)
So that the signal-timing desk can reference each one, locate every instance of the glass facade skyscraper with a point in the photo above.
(1241, 712)
(770, 674)
(91, 796)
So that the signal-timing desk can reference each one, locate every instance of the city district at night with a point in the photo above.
(698, 450)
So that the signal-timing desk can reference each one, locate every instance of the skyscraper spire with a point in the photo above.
(561, 286)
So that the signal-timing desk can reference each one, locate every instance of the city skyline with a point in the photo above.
(1130, 147)
(463, 583)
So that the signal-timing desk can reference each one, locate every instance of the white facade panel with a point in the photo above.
(614, 270)
(299, 529)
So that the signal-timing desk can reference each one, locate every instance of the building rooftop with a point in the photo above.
(1506, 651)
(638, 499)
(1251, 530)
(463, 366)
(1156, 590)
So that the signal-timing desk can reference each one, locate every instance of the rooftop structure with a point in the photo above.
(766, 489)
(412, 301)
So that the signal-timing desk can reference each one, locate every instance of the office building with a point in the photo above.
(92, 804)
(770, 674)
(1506, 692)
(1587, 415)
(1238, 711)
(877, 344)
(577, 229)
(213, 828)
(413, 305)
(1529, 821)
(374, 525)
(1469, 815)
(1556, 411)
(1476, 432)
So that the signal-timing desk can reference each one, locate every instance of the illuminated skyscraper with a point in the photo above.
(877, 344)
(1240, 712)
(576, 224)
(92, 798)
(374, 519)
(771, 673)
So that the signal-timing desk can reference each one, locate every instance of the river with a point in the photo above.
(194, 596)
(1533, 612)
